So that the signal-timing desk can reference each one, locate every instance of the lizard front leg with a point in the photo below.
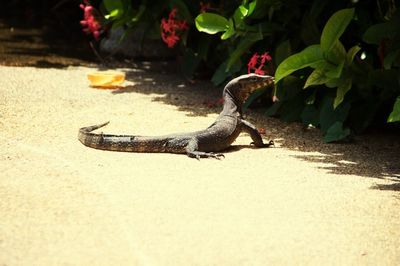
(255, 135)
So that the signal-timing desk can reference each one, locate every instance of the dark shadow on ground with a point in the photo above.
(394, 186)
(35, 46)
(376, 154)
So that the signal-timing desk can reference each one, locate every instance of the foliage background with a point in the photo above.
(336, 63)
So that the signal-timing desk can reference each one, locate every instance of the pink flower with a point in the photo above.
(262, 65)
(252, 62)
(171, 28)
(89, 23)
(170, 39)
(265, 57)
(259, 71)
(261, 61)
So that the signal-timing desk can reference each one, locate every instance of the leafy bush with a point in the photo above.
(337, 61)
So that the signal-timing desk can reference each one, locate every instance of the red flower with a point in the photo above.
(261, 130)
(252, 63)
(172, 28)
(261, 65)
(259, 71)
(170, 39)
(265, 58)
(89, 23)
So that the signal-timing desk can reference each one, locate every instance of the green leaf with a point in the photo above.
(334, 28)
(336, 132)
(341, 92)
(113, 14)
(351, 54)
(230, 31)
(317, 77)
(328, 116)
(335, 72)
(333, 83)
(252, 7)
(310, 56)
(395, 114)
(337, 54)
(211, 23)
(115, 8)
(243, 10)
(239, 15)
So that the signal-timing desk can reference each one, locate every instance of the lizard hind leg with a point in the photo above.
(192, 152)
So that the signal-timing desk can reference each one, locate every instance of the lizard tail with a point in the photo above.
(91, 128)
(123, 143)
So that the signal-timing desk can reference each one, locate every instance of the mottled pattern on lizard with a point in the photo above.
(199, 144)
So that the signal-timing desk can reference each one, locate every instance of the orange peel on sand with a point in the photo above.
(106, 79)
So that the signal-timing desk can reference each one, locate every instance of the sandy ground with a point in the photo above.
(301, 203)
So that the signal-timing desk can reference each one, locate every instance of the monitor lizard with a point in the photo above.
(205, 143)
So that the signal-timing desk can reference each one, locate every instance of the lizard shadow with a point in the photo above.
(236, 148)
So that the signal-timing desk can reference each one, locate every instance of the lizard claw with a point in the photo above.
(271, 143)
(217, 156)
(263, 145)
(199, 154)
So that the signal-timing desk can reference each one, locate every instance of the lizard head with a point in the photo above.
(241, 87)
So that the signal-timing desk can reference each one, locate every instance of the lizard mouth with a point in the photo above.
(244, 85)
(265, 83)
(256, 86)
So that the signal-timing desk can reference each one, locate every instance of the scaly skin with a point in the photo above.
(200, 144)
